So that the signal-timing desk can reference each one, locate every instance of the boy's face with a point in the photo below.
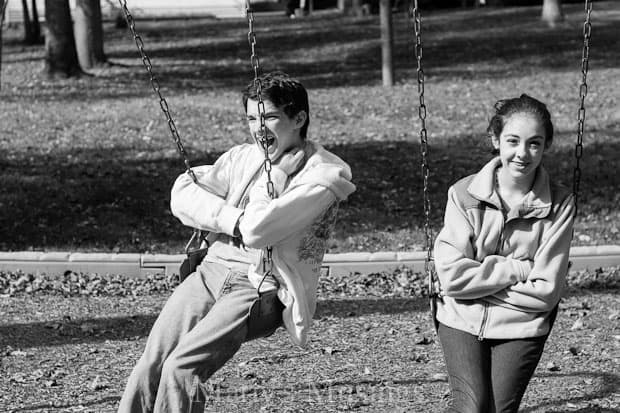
(282, 131)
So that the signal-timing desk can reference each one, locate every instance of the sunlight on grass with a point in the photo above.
(87, 163)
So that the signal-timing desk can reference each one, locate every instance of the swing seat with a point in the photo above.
(265, 315)
(193, 260)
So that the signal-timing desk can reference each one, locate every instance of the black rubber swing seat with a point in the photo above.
(265, 314)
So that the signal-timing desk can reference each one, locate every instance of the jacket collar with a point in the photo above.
(536, 203)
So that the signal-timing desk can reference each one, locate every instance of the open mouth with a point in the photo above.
(270, 140)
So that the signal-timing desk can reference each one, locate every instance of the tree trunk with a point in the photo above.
(60, 54)
(36, 26)
(356, 8)
(552, 12)
(387, 42)
(3, 4)
(89, 33)
(27, 23)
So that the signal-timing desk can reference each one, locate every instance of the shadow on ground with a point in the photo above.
(54, 333)
(59, 332)
(107, 199)
(609, 385)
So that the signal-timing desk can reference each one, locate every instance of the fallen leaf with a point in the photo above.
(424, 340)
(328, 350)
(439, 377)
(18, 378)
(551, 366)
(578, 324)
(88, 327)
(96, 384)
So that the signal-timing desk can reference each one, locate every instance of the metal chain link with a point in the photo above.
(146, 61)
(583, 91)
(428, 264)
(255, 62)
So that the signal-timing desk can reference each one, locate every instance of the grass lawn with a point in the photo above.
(86, 164)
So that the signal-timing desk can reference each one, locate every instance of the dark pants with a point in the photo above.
(489, 375)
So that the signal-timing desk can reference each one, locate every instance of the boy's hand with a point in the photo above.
(290, 162)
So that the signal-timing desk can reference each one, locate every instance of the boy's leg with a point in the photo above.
(189, 303)
(468, 361)
(206, 348)
(513, 364)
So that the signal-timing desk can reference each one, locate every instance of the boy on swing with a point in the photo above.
(205, 321)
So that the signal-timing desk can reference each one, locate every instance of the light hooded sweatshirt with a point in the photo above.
(503, 272)
(296, 224)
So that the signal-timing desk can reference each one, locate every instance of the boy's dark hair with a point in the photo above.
(523, 104)
(284, 92)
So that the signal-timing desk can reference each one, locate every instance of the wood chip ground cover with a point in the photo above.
(372, 350)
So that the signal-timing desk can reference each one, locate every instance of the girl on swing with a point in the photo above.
(205, 321)
(501, 259)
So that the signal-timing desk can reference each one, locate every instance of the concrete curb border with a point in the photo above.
(143, 265)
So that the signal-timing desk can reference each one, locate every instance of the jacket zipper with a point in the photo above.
(484, 321)
(485, 313)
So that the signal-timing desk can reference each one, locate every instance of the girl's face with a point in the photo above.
(521, 145)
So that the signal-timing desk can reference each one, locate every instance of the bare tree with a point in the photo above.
(60, 54)
(27, 22)
(3, 4)
(88, 31)
(32, 27)
(387, 42)
(552, 12)
(36, 26)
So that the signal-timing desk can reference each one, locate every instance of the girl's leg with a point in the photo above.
(513, 364)
(468, 361)
(189, 303)
(206, 348)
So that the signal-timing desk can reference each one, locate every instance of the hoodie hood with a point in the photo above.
(325, 169)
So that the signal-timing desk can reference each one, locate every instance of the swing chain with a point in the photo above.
(423, 148)
(254, 60)
(583, 91)
(146, 61)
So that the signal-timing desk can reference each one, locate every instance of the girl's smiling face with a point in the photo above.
(521, 145)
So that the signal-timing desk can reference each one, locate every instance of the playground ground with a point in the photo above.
(86, 165)
(71, 347)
